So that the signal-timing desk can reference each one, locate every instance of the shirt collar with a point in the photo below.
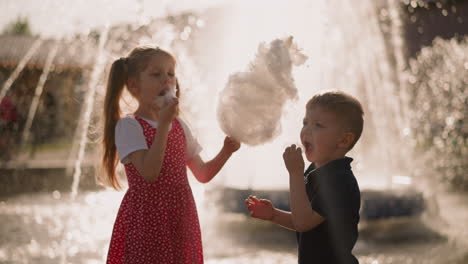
(334, 165)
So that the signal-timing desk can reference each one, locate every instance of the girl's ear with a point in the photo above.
(346, 140)
(132, 86)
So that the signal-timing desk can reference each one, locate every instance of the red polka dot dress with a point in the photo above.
(157, 221)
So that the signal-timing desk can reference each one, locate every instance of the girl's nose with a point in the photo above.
(167, 79)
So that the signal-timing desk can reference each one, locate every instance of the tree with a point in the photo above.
(438, 84)
(20, 26)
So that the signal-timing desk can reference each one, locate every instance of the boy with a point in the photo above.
(325, 200)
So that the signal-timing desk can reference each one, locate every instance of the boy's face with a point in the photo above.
(321, 136)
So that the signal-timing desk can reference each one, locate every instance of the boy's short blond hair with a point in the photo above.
(347, 108)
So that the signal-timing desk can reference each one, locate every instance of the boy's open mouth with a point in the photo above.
(307, 146)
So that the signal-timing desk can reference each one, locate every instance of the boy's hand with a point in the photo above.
(231, 145)
(293, 160)
(260, 208)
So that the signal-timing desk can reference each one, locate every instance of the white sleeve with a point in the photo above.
(129, 137)
(193, 147)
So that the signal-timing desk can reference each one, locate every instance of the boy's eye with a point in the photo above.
(318, 125)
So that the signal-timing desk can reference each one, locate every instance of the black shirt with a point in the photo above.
(333, 193)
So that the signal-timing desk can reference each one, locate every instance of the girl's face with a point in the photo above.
(321, 135)
(157, 79)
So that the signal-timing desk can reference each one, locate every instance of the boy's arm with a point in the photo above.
(303, 216)
(264, 209)
(283, 219)
(205, 171)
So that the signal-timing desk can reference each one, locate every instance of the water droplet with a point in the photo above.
(446, 86)
(406, 131)
(399, 179)
(383, 13)
(186, 33)
(56, 195)
(38, 219)
(200, 23)
(73, 251)
(450, 120)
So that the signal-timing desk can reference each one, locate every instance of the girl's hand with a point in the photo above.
(260, 208)
(293, 160)
(231, 145)
(168, 112)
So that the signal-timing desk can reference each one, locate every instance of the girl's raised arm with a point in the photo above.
(205, 171)
(149, 162)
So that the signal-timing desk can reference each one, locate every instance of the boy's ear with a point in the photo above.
(346, 140)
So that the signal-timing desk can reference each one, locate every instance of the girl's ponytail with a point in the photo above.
(115, 85)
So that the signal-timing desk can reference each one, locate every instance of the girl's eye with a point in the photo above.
(159, 74)
(318, 125)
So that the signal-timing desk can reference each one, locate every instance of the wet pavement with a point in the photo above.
(53, 228)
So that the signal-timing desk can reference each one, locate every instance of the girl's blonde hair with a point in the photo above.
(121, 70)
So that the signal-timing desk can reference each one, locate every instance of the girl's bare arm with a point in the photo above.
(148, 162)
(205, 171)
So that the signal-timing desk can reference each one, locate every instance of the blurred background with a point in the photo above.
(407, 61)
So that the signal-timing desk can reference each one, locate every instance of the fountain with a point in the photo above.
(358, 49)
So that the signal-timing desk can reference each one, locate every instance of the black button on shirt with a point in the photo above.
(333, 193)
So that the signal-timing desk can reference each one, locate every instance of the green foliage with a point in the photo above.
(18, 27)
(438, 82)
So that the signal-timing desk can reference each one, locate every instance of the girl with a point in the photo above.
(157, 221)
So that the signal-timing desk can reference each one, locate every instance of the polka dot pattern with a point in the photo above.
(157, 221)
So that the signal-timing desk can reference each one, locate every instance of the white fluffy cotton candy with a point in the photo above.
(164, 99)
(251, 103)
